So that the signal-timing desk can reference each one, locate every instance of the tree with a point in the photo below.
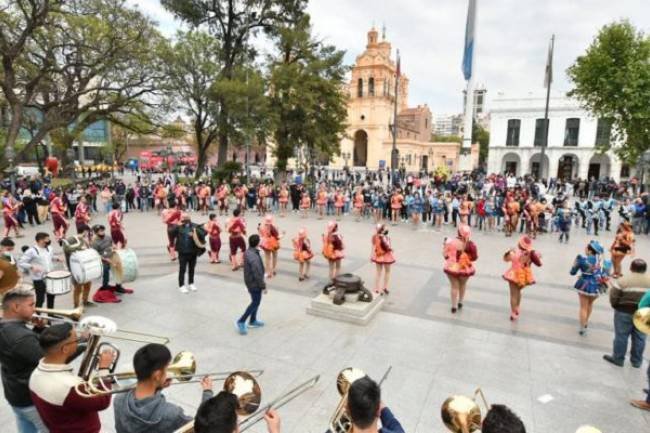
(232, 23)
(94, 60)
(306, 85)
(481, 136)
(612, 80)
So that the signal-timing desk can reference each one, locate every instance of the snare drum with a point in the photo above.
(85, 265)
(58, 282)
(124, 266)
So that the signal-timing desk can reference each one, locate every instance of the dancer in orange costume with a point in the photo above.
(270, 243)
(333, 249)
(115, 218)
(358, 204)
(396, 201)
(172, 217)
(302, 253)
(222, 198)
(520, 273)
(459, 253)
(240, 198)
(511, 210)
(214, 236)
(321, 202)
(305, 204)
(262, 194)
(283, 199)
(236, 227)
(160, 197)
(339, 203)
(382, 256)
(82, 217)
(203, 192)
(57, 210)
(9, 208)
(622, 246)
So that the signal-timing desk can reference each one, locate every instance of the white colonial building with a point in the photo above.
(517, 134)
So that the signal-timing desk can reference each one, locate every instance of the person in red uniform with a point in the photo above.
(9, 208)
(54, 386)
(82, 216)
(117, 229)
(58, 210)
(333, 249)
(459, 254)
(214, 236)
(382, 256)
(172, 217)
(236, 227)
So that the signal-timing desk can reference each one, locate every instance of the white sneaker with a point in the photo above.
(183, 289)
(192, 287)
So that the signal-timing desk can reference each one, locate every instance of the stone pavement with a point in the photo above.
(515, 364)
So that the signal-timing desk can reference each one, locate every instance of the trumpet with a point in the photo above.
(249, 395)
(182, 369)
(462, 414)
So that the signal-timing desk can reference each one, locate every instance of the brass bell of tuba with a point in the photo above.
(340, 421)
(641, 320)
(462, 414)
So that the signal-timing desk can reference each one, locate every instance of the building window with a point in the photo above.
(539, 132)
(572, 132)
(371, 86)
(603, 132)
(479, 100)
(512, 139)
(360, 88)
(625, 171)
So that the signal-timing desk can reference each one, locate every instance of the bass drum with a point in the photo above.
(58, 283)
(85, 265)
(124, 266)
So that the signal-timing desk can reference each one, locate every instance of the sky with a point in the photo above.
(512, 38)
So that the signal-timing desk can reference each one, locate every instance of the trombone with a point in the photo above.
(67, 316)
(182, 369)
(249, 396)
(462, 414)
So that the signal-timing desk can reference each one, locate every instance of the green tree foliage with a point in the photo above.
(233, 23)
(612, 80)
(306, 91)
(481, 136)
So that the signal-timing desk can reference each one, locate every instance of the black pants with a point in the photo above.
(186, 262)
(39, 288)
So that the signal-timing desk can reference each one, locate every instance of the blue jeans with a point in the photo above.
(624, 329)
(647, 398)
(251, 311)
(28, 420)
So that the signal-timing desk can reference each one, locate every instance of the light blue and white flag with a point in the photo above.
(468, 53)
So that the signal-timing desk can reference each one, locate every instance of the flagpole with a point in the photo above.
(394, 154)
(549, 78)
(465, 157)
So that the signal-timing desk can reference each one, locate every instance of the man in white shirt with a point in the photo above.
(37, 261)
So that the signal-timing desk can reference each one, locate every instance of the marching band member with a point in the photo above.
(333, 249)
(103, 244)
(19, 356)
(214, 236)
(381, 255)
(366, 409)
(9, 208)
(500, 419)
(222, 198)
(283, 199)
(37, 261)
(520, 273)
(321, 201)
(644, 404)
(459, 254)
(622, 246)
(270, 244)
(145, 409)
(564, 217)
(82, 216)
(55, 389)
(219, 415)
(236, 227)
(115, 218)
(302, 253)
(58, 210)
(590, 284)
(254, 280)
(305, 204)
(172, 217)
(71, 245)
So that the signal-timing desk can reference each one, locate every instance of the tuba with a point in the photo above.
(462, 414)
(9, 276)
(641, 320)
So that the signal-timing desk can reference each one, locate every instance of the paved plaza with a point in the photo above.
(553, 378)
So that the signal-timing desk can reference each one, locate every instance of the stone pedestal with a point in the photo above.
(359, 313)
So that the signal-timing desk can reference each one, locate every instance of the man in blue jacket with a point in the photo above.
(254, 280)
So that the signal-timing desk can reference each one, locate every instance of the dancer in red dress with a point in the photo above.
(214, 236)
(172, 218)
(302, 253)
(382, 256)
(305, 204)
(82, 217)
(115, 218)
(57, 210)
(270, 243)
(333, 249)
(520, 273)
(9, 208)
(236, 227)
(459, 253)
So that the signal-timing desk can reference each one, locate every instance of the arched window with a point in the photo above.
(371, 86)
(360, 88)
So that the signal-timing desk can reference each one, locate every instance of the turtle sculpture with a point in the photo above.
(346, 284)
